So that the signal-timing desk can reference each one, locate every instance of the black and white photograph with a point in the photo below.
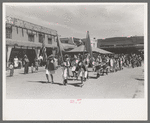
(75, 52)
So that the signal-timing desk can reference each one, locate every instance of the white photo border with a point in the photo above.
(89, 109)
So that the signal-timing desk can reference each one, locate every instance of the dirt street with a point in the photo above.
(128, 83)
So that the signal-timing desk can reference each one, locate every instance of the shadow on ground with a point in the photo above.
(45, 82)
(75, 84)
(92, 77)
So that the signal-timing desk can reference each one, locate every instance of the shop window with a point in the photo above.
(31, 37)
(41, 38)
(9, 32)
(49, 40)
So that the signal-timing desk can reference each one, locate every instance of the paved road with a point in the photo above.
(128, 83)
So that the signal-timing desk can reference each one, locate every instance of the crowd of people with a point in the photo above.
(79, 65)
(26, 62)
(18, 63)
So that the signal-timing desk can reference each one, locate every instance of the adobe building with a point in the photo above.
(118, 45)
(68, 43)
(68, 40)
(26, 38)
(71, 41)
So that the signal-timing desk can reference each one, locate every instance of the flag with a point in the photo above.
(59, 48)
(88, 44)
(44, 55)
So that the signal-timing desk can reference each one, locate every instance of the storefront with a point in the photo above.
(19, 49)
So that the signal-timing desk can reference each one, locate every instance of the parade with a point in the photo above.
(78, 62)
(74, 61)
(50, 55)
(78, 65)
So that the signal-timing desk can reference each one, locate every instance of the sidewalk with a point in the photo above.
(21, 71)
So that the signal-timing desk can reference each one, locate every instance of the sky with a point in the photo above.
(73, 20)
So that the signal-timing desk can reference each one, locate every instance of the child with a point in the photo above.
(11, 67)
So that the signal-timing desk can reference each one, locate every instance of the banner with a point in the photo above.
(44, 55)
(59, 48)
(88, 44)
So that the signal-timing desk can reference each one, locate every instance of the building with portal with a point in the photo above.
(23, 37)
(131, 44)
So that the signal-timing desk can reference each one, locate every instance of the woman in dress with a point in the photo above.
(16, 62)
(26, 67)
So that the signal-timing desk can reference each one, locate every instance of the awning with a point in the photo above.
(78, 49)
(141, 50)
(139, 45)
(100, 51)
(12, 42)
(82, 48)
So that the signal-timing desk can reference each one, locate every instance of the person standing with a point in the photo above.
(41, 60)
(86, 74)
(26, 66)
(16, 62)
(36, 64)
(93, 64)
(65, 71)
(68, 65)
(111, 65)
(20, 63)
(77, 67)
(50, 68)
(82, 70)
(56, 62)
(11, 68)
(120, 63)
(73, 64)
